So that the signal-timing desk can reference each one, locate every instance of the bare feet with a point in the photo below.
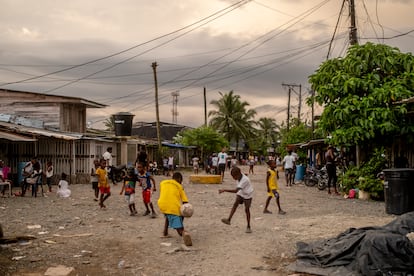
(187, 239)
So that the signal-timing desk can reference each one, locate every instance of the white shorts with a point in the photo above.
(130, 199)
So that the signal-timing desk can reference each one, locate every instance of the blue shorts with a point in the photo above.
(174, 221)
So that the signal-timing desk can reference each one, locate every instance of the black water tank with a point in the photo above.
(123, 123)
(399, 191)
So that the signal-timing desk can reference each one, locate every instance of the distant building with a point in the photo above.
(149, 130)
(56, 112)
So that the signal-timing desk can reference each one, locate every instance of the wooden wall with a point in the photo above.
(55, 113)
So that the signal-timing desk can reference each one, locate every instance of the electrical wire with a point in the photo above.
(295, 21)
(392, 37)
(298, 18)
(142, 53)
(231, 7)
(370, 21)
(378, 21)
(336, 28)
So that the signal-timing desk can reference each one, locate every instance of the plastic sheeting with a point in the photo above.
(361, 251)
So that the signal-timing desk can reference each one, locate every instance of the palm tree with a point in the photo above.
(232, 118)
(268, 129)
(268, 133)
(109, 123)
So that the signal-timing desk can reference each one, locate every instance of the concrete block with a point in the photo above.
(205, 179)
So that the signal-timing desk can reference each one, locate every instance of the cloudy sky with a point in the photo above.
(103, 50)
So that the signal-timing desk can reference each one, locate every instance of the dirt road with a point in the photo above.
(75, 233)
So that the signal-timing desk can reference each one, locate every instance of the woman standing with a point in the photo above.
(331, 169)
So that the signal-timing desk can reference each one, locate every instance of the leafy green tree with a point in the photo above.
(299, 133)
(232, 118)
(359, 94)
(205, 138)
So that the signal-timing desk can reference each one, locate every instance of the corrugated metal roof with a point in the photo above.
(40, 132)
(15, 138)
(53, 98)
(177, 146)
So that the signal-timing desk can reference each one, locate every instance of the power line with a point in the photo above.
(392, 37)
(231, 7)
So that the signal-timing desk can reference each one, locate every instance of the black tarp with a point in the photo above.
(382, 250)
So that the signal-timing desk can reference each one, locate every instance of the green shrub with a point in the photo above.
(365, 176)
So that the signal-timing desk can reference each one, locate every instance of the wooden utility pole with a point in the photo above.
(288, 109)
(353, 30)
(313, 112)
(353, 40)
(290, 89)
(205, 107)
(154, 69)
(300, 101)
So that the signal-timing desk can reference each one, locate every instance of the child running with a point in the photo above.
(172, 195)
(272, 187)
(103, 184)
(94, 179)
(244, 195)
(128, 187)
(147, 182)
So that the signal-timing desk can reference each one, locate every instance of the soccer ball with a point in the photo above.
(187, 210)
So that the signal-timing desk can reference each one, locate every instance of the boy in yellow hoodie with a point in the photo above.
(172, 196)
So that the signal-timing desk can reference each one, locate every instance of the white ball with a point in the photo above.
(187, 210)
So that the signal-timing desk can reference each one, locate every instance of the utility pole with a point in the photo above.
(205, 107)
(353, 30)
(291, 87)
(154, 69)
(300, 101)
(288, 109)
(174, 109)
(313, 112)
(353, 40)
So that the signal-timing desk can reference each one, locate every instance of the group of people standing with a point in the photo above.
(217, 163)
(329, 157)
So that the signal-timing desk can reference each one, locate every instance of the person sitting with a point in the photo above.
(4, 172)
(63, 187)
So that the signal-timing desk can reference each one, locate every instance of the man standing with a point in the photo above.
(289, 163)
(222, 159)
(171, 165)
(107, 156)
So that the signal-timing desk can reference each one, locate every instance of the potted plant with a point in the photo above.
(369, 187)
